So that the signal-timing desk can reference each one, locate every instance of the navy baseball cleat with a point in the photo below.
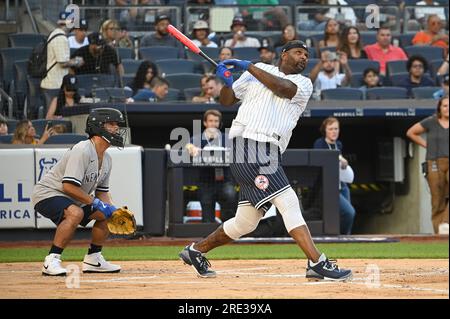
(327, 270)
(198, 261)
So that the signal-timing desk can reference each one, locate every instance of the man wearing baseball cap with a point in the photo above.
(97, 56)
(239, 39)
(79, 38)
(161, 37)
(200, 33)
(267, 54)
(58, 56)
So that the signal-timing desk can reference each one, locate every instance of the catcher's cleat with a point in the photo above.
(52, 266)
(96, 263)
(327, 270)
(198, 261)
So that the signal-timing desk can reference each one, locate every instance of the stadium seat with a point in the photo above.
(20, 80)
(40, 124)
(131, 66)
(359, 65)
(6, 139)
(172, 66)
(428, 52)
(368, 38)
(173, 95)
(383, 93)
(251, 54)
(112, 94)
(12, 125)
(405, 39)
(89, 82)
(396, 67)
(425, 92)
(158, 53)
(315, 39)
(33, 100)
(190, 93)
(342, 94)
(398, 79)
(25, 39)
(66, 138)
(331, 49)
(434, 66)
(126, 53)
(357, 80)
(127, 79)
(183, 81)
(7, 58)
(310, 66)
(213, 53)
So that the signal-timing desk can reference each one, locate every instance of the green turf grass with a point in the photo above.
(260, 251)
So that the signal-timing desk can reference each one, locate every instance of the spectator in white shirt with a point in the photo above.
(79, 39)
(200, 33)
(239, 39)
(326, 74)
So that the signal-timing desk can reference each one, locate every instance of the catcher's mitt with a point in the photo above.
(122, 222)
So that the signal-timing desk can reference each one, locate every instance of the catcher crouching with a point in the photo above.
(76, 191)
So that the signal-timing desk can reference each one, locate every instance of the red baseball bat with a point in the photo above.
(192, 46)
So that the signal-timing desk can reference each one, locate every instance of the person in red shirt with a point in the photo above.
(432, 35)
(383, 51)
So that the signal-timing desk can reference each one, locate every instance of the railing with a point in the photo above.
(4, 95)
(10, 15)
(30, 14)
(414, 17)
(51, 8)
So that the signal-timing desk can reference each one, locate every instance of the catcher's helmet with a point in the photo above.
(96, 121)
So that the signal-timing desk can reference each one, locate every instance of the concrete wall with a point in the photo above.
(411, 213)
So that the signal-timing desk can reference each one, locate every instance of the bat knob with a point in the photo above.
(227, 74)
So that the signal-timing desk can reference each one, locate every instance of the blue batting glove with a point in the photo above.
(106, 209)
(222, 73)
(239, 65)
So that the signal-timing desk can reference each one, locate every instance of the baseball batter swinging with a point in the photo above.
(76, 191)
(273, 98)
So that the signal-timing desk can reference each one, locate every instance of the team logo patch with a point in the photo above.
(262, 182)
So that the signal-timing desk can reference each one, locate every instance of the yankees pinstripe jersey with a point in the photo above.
(263, 116)
(78, 166)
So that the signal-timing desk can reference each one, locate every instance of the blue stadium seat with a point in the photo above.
(428, 52)
(112, 94)
(331, 49)
(6, 139)
(131, 66)
(384, 93)
(158, 53)
(127, 79)
(20, 80)
(25, 39)
(396, 67)
(125, 53)
(405, 39)
(7, 58)
(12, 125)
(66, 138)
(434, 66)
(310, 66)
(33, 100)
(183, 81)
(357, 80)
(173, 95)
(172, 66)
(398, 79)
(213, 53)
(88, 82)
(40, 124)
(190, 93)
(251, 54)
(425, 92)
(342, 94)
(368, 38)
(359, 65)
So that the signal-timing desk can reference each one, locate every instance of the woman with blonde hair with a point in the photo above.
(436, 165)
(25, 134)
(110, 32)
